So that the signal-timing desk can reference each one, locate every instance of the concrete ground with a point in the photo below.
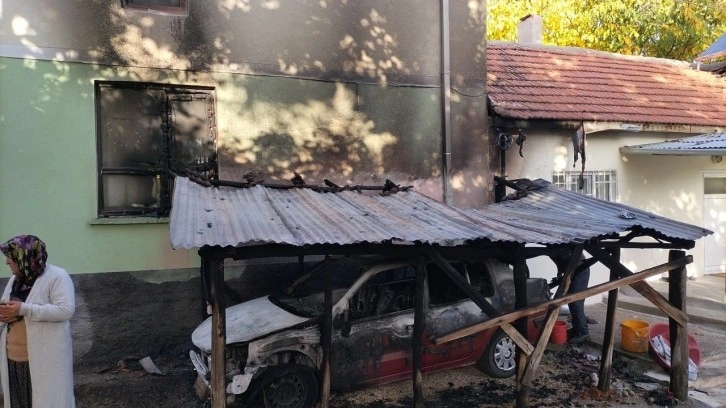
(707, 324)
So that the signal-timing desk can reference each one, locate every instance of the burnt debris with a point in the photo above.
(251, 180)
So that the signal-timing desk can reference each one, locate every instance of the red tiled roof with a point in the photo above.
(574, 84)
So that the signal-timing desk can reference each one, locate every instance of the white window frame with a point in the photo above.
(602, 184)
(170, 7)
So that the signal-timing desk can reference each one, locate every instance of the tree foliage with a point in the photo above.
(675, 29)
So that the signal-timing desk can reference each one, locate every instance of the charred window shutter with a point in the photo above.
(190, 137)
(192, 133)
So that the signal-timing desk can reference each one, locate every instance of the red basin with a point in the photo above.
(663, 329)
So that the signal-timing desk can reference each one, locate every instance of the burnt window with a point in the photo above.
(390, 291)
(147, 133)
(443, 290)
(172, 7)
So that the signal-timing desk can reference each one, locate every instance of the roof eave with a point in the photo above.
(672, 152)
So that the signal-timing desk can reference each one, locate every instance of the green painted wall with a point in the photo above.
(351, 134)
(48, 168)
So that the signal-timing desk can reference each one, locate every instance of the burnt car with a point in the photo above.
(273, 352)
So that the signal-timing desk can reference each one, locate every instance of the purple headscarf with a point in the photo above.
(28, 251)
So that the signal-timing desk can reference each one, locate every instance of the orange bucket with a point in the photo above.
(559, 332)
(634, 336)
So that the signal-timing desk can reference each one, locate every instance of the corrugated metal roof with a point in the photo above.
(701, 145)
(248, 216)
(718, 47)
(566, 212)
(205, 216)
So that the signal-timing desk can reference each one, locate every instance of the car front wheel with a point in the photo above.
(499, 358)
(286, 386)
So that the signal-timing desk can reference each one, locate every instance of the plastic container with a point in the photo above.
(559, 332)
(634, 336)
(663, 329)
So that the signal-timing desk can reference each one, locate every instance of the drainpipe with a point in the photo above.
(500, 190)
(446, 98)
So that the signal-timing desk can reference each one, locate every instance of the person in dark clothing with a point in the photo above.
(580, 331)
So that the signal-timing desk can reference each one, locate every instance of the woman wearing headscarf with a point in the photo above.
(36, 356)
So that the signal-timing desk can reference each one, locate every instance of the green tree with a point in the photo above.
(675, 29)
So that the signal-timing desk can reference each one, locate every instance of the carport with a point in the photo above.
(238, 220)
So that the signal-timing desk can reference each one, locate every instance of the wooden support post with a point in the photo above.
(204, 271)
(218, 384)
(641, 287)
(566, 271)
(419, 325)
(606, 361)
(478, 298)
(520, 302)
(678, 333)
(327, 338)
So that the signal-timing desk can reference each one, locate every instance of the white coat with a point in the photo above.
(47, 313)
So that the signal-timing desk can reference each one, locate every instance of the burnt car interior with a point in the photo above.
(475, 273)
(389, 291)
(386, 292)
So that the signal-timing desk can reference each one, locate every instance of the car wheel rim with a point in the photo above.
(286, 392)
(504, 354)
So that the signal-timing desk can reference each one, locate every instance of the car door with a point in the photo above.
(372, 340)
(451, 309)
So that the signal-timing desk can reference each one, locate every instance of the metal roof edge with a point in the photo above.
(672, 152)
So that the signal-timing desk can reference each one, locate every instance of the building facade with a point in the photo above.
(102, 102)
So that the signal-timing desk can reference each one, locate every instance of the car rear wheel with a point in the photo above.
(286, 386)
(499, 358)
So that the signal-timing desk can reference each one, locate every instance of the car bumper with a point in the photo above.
(239, 384)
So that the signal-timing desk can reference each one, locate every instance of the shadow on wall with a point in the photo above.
(333, 136)
(348, 134)
(119, 315)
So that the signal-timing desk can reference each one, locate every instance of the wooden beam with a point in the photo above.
(327, 337)
(520, 302)
(650, 245)
(480, 249)
(477, 298)
(218, 386)
(552, 314)
(640, 286)
(521, 342)
(678, 333)
(419, 327)
(206, 292)
(606, 361)
(555, 303)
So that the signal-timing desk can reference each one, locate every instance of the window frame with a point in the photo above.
(570, 182)
(467, 269)
(166, 167)
(375, 283)
(181, 10)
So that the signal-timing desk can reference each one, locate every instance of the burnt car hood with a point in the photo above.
(247, 321)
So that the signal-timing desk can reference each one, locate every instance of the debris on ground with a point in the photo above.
(149, 366)
(568, 376)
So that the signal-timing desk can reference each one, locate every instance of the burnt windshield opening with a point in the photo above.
(306, 295)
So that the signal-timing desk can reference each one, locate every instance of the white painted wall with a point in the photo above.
(670, 186)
